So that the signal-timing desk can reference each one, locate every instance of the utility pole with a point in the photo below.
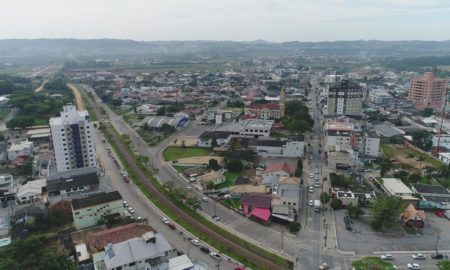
(436, 246)
(282, 233)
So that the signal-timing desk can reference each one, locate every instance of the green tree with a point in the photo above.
(20, 121)
(444, 265)
(354, 210)
(193, 202)
(372, 263)
(299, 170)
(116, 102)
(422, 139)
(298, 126)
(385, 166)
(234, 165)
(336, 203)
(386, 212)
(161, 111)
(213, 164)
(166, 128)
(324, 197)
(294, 227)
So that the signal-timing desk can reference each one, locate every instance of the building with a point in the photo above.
(354, 198)
(20, 149)
(7, 188)
(213, 177)
(270, 110)
(288, 194)
(148, 109)
(294, 147)
(149, 251)
(253, 128)
(156, 122)
(214, 138)
(31, 192)
(218, 117)
(427, 91)
(72, 138)
(345, 98)
(445, 158)
(274, 171)
(433, 193)
(413, 217)
(73, 185)
(88, 211)
(395, 187)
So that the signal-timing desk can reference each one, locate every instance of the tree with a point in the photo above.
(193, 202)
(386, 211)
(213, 164)
(298, 126)
(166, 128)
(299, 170)
(354, 211)
(444, 265)
(161, 111)
(324, 197)
(234, 165)
(116, 102)
(385, 166)
(20, 121)
(372, 263)
(422, 139)
(294, 227)
(2, 136)
(336, 203)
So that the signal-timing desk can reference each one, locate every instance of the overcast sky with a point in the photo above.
(272, 20)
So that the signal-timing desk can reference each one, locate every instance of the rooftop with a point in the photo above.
(396, 186)
(289, 190)
(430, 189)
(96, 199)
(339, 126)
(34, 186)
(76, 181)
(275, 167)
(214, 135)
(261, 106)
(257, 123)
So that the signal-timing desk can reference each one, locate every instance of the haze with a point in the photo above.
(277, 20)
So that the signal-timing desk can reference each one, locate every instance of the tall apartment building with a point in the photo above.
(427, 91)
(345, 98)
(73, 141)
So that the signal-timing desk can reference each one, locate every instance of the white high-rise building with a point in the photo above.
(73, 141)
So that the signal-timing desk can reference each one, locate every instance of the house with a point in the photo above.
(293, 147)
(214, 138)
(73, 186)
(413, 218)
(194, 171)
(273, 172)
(20, 149)
(290, 180)
(148, 109)
(149, 251)
(240, 190)
(31, 192)
(88, 211)
(251, 201)
(213, 177)
(7, 188)
(289, 194)
(433, 193)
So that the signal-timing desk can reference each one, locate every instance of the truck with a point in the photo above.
(316, 205)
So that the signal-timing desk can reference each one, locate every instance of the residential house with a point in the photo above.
(257, 206)
(214, 138)
(88, 211)
(413, 217)
(32, 191)
(20, 149)
(148, 109)
(273, 172)
(213, 177)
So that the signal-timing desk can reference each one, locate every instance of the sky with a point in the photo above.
(238, 20)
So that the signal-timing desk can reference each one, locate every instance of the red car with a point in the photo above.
(171, 226)
(439, 213)
(239, 268)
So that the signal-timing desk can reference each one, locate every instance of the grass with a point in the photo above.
(229, 179)
(390, 151)
(372, 263)
(132, 118)
(172, 153)
(179, 168)
(232, 203)
(4, 112)
(40, 121)
(152, 138)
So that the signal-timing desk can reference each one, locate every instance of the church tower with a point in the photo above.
(282, 102)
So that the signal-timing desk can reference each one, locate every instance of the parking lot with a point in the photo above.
(363, 240)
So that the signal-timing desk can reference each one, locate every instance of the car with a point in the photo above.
(172, 226)
(311, 175)
(437, 256)
(316, 171)
(205, 199)
(317, 184)
(205, 249)
(125, 204)
(418, 256)
(310, 157)
(165, 221)
(311, 189)
(387, 257)
(215, 255)
(316, 178)
(348, 227)
(216, 218)
(414, 266)
(323, 266)
(189, 188)
(131, 210)
(195, 242)
(439, 213)
(311, 203)
(139, 218)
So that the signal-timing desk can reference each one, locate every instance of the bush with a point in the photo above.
(339, 180)
(324, 197)
(294, 227)
(336, 203)
(234, 165)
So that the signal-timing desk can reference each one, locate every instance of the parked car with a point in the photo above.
(216, 218)
(418, 256)
(195, 242)
(413, 266)
(437, 256)
(189, 188)
(125, 204)
(323, 266)
(131, 210)
(439, 213)
(316, 171)
(348, 226)
(311, 189)
(172, 226)
(311, 175)
(316, 178)
(311, 203)
(205, 249)
(387, 256)
(215, 255)
(205, 199)
(317, 185)
(165, 221)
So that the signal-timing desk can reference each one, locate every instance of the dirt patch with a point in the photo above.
(78, 98)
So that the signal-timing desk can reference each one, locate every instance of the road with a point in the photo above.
(77, 95)
(156, 193)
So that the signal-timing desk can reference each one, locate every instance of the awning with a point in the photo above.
(261, 213)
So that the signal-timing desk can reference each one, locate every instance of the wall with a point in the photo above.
(89, 216)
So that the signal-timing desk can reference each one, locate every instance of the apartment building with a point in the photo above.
(345, 98)
(73, 141)
(427, 91)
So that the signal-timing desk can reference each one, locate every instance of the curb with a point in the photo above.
(409, 252)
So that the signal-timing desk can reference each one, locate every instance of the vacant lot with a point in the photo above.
(172, 153)
(410, 157)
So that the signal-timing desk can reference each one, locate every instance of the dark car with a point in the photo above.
(172, 226)
(347, 220)
(4, 204)
(348, 226)
(437, 256)
(205, 249)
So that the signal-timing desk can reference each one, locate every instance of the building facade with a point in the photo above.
(73, 140)
(345, 98)
(427, 91)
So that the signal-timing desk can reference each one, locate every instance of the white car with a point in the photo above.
(195, 242)
(189, 188)
(323, 266)
(311, 189)
(215, 255)
(311, 203)
(205, 199)
(413, 266)
(317, 185)
(418, 256)
(165, 220)
(311, 175)
(316, 171)
(387, 256)
(125, 204)
(316, 178)
(131, 210)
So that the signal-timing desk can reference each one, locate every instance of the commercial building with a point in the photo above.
(433, 193)
(427, 91)
(73, 185)
(345, 98)
(214, 138)
(293, 147)
(31, 192)
(395, 187)
(88, 211)
(73, 141)
(270, 110)
(156, 122)
(20, 149)
(253, 128)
